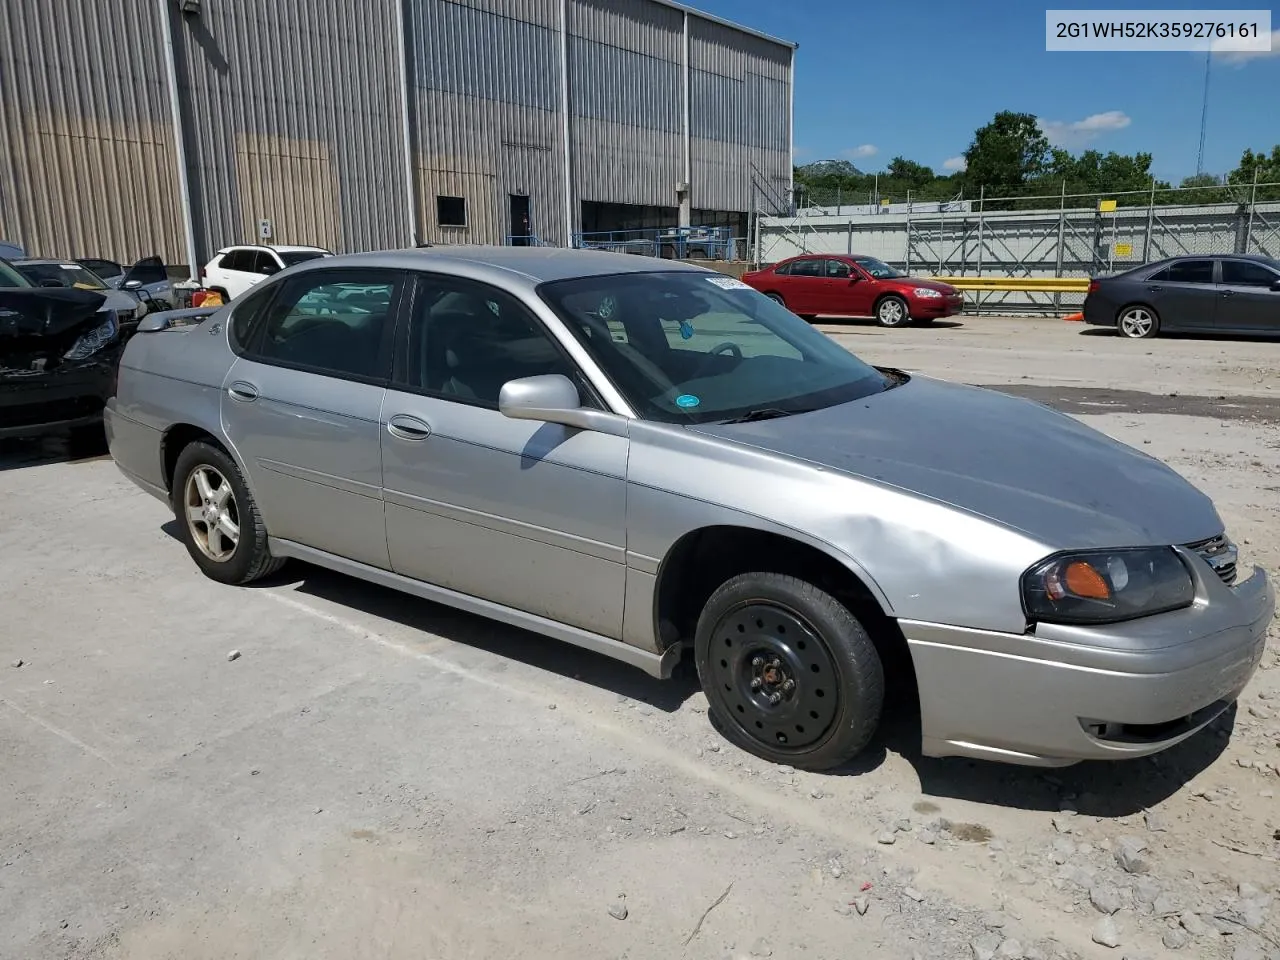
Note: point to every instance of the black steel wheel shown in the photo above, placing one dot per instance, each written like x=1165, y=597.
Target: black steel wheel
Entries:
x=789, y=673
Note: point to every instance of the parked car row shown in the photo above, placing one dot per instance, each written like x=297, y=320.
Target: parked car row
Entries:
x=652, y=460
x=64, y=323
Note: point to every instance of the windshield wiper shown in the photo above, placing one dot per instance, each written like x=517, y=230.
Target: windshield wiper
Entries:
x=765, y=413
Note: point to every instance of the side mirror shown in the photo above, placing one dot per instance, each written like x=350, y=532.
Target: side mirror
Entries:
x=133, y=285
x=552, y=398
x=1276, y=286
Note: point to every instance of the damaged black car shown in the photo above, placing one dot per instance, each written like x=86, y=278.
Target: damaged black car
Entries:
x=59, y=354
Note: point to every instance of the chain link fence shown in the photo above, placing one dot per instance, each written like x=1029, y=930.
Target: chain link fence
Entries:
x=1069, y=235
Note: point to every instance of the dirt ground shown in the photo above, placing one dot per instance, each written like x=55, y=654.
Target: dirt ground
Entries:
x=375, y=776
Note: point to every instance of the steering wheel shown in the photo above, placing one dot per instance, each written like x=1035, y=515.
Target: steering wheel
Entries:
x=728, y=346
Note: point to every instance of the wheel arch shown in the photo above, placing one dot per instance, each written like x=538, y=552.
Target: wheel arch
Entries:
x=177, y=438
x=1129, y=305
x=703, y=559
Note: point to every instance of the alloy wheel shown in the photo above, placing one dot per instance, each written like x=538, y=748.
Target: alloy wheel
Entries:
x=212, y=513
x=773, y=677
x=891, y=312
x=1136, y=323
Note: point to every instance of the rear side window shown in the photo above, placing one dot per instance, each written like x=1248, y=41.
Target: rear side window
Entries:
x=335, y=322
x=783, y=269
x=106, y=269
x=236, y=260
x=807, y=268
x=1186, y=271
x=265, y=263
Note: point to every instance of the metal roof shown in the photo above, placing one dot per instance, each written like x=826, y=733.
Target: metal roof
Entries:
x=727, y=23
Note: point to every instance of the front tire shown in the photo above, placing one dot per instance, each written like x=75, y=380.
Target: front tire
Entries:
x=893, y=312
x=1138, y=323
x=789, y=673
x=219, y=519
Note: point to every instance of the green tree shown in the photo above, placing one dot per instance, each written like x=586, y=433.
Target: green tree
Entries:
x=1267, y=168
x=915, y=175
x=1006, y=154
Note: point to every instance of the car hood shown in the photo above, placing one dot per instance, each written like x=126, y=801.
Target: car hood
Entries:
x=1011, y=460
x=39, y=323
x=928, y=284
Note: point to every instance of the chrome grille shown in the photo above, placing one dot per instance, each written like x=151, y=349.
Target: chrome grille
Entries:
x=1221, y=554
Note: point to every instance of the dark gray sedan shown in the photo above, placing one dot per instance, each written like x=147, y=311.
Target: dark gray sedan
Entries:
x=1213, y=294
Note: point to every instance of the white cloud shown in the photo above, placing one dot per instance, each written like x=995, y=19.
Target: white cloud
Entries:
x=1241, y=57
x=862, y=152
x=1075, y=133
x=954, y=163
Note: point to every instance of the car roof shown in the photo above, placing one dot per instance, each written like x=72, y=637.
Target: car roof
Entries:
x=282, y=248
x=533, y=264
x=52, y=261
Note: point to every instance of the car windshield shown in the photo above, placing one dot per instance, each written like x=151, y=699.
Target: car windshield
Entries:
x=61, y=274
x=9, y=277
x=878, y=268
x=692, y=347
x=290, y=257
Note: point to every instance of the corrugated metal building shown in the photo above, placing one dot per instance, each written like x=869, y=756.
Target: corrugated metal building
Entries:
x=132, y=127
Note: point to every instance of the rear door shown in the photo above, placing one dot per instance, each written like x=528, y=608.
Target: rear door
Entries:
x=301, y=405
x=1184, y=294
x=804, y=287
x=1246, y=301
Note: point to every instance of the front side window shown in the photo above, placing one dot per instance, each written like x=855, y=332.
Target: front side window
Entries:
x=147, y=271
x=693, y=348
x=332, y=321
x=467, y=339
x=1247, y=273
x=837, y=269
x=878, y=268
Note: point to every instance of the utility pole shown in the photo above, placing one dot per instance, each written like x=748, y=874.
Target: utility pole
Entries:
x=1204, y=112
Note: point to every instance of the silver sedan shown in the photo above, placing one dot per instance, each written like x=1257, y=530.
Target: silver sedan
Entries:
x=645, y=459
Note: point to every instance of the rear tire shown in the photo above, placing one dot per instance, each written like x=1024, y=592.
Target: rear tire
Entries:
x=789, y=673
x=218, y=517
x=893, y=312
x=1138, y=323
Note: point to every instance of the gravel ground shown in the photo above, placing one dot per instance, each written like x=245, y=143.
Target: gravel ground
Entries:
x=374, y=776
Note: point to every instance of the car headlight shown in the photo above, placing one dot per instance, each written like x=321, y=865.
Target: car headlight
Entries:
x=927, y=293
x=1107, y=586
x=93, y=341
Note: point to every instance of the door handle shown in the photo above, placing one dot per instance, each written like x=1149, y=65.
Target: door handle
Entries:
x=1154, y=289
x=1228, y=293
x=244, y=392
x=406, y=427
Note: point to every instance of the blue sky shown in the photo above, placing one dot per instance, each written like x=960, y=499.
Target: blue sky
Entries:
x=917, y=77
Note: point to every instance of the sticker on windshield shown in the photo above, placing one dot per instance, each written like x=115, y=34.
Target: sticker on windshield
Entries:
x=728, y=283
x=687, y=400
x=686, y=329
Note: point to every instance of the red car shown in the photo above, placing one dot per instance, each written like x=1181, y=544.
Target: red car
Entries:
x=854, y=286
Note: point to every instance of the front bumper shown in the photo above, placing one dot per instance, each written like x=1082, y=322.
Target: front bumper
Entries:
x=34, y=403
x=1067, y=694
x=931, y=308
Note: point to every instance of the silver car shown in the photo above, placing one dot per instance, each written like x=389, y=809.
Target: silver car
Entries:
x=646, y=458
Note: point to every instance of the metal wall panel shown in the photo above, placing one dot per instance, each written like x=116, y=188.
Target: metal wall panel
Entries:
x=626, y=101
x=87, y=165
x=309, y=78
x=486, y=116
x=739, y=117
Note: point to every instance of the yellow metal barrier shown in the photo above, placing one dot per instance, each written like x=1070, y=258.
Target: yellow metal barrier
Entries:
x=1029, y=284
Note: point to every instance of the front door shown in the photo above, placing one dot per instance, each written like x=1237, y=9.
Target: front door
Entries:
x=301, y=407
x=526, y=514
x=839, y=290
x=521, y=231
x=1184, y=295
x=1247, y=300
